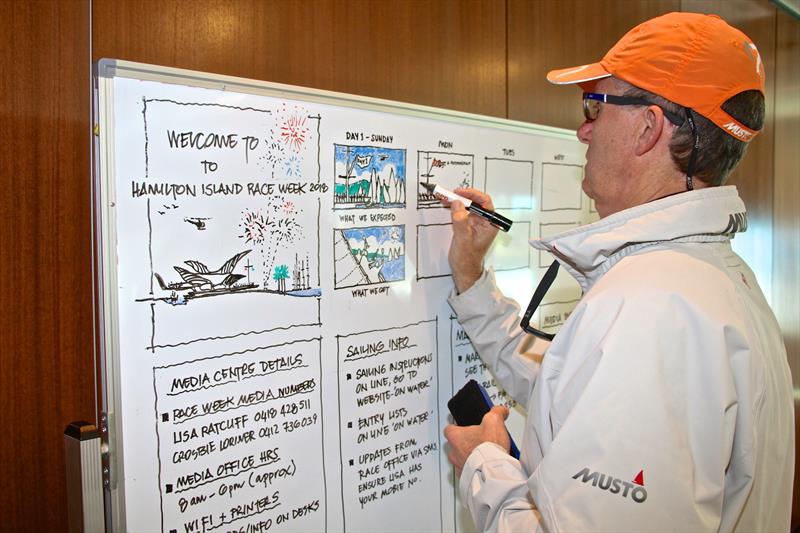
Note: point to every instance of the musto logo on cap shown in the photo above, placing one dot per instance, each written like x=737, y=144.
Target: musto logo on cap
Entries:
x=615, y=485
x=737, y=130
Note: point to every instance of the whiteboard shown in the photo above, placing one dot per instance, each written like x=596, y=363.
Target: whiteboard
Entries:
x=277, y=348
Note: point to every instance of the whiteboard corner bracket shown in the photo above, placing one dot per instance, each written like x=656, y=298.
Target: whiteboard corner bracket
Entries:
x=106, y=68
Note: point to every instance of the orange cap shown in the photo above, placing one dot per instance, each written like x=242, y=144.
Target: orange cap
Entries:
x=695, y=60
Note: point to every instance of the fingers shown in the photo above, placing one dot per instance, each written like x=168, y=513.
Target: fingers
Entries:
x=493, y=426
x=454, y=460
x=443, y=199
x=502, y=410
x=451, y=456
x=469, y=223
x=479, y=197
x=460, y=216
x=457, y=210
x=496, y=415
x=462, y=440
x=458, y=449
x=472, y=237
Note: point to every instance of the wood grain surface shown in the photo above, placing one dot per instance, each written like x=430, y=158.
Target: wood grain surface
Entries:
x=46, y=357
x=479, y=56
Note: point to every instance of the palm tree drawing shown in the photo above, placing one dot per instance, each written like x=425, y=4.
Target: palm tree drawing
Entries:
x=280, y=275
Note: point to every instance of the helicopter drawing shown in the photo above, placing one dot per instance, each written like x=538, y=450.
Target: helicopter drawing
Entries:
x=199, y=223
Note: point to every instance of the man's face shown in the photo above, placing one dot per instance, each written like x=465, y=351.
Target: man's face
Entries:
x=606, y=179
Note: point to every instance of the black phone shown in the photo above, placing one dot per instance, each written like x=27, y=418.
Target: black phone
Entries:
x=469, y=405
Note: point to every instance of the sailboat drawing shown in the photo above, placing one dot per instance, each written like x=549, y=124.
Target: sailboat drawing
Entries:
x=369, y=177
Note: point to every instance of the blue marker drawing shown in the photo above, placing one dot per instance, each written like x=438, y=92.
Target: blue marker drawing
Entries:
x=365, y=256
x=369, y=176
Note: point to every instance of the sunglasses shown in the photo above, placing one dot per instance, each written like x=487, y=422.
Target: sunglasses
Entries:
x=591, y=108
x=592, y=101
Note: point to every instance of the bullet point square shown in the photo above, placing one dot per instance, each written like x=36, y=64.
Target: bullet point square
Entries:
x=165, y=417
x=350, y=462
x=169, y=488
x=349, y=424
x=349, y=376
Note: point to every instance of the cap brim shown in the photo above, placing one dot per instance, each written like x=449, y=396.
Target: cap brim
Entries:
x=582, y=74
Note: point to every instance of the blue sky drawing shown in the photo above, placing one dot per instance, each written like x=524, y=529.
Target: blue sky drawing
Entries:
x=382, y=234
x=380, y=158
x=386, y=240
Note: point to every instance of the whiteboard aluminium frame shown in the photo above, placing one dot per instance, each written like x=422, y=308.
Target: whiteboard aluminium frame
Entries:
x=105, y=222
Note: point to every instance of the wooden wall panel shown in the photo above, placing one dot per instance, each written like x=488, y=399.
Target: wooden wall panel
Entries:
x=481, y=56
x=46, y=359
x=786, y=214
x=543, y=36
x=446, y=53
x=787, y=187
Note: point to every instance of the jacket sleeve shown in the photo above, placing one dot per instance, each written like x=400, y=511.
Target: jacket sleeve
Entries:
x=494, y=488
x=642, y=413
x=491, y=321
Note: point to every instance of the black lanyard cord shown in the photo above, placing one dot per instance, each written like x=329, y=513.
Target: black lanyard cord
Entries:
x=538, y=295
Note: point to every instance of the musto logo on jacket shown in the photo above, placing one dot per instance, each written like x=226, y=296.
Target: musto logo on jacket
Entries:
x=615, y=485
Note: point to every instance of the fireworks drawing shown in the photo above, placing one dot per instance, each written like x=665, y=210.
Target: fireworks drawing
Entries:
x=286, y=230
x=272, y=232
x=292, y=167
x=294, y=132
x=254, y=226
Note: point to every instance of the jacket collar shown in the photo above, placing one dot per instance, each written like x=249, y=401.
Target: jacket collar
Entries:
x=704, y=215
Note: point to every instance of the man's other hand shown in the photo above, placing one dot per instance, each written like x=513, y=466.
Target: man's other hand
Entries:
x=464, y=439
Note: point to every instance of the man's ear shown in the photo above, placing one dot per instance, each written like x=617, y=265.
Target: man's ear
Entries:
x=651, y=128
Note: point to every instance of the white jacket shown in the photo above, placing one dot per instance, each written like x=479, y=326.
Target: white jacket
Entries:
x=665, y=401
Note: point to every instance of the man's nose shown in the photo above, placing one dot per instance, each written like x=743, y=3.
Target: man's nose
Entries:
x=584, y=133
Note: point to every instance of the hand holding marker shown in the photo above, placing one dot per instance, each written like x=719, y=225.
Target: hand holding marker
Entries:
x=496, y=220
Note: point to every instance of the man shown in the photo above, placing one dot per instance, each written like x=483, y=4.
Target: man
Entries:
x=665, y=401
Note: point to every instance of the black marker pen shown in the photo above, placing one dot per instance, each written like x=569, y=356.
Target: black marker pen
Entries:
x=496, y=220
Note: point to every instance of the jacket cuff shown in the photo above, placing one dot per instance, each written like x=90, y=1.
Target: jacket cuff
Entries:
x=483, y=454
x=477, y=293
